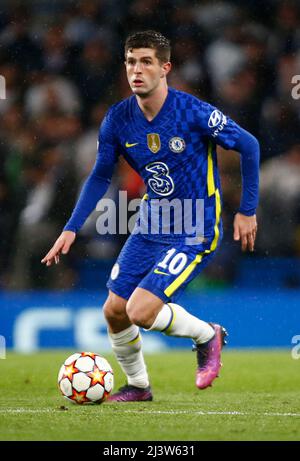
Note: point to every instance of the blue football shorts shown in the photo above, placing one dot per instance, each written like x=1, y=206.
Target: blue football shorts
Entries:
x=164, y=269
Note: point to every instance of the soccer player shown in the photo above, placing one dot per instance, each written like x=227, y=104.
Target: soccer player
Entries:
x=169, y=137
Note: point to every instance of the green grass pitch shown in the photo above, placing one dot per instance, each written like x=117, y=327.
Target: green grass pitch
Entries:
x=255, y=398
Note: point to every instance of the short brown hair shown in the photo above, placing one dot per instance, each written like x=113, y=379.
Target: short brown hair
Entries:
x=150, y=39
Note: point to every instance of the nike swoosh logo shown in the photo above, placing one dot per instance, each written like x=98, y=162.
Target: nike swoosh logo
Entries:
x=157, y=271
x=131, y=145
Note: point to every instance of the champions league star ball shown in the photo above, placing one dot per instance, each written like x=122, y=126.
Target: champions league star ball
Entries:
x=86, y=377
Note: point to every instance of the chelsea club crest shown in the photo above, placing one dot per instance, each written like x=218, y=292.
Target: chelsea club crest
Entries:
x=177, y=145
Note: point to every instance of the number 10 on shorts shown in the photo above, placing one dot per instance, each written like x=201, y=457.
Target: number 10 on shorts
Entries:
x=174, y=264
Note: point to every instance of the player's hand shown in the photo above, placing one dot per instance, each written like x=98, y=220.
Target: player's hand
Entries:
x=62, y=245
x=244, y=229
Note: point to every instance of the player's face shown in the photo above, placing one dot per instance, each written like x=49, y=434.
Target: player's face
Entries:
x=144, y=71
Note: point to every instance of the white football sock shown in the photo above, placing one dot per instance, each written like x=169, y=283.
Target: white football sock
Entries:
x=174, y=320
x=127, y=346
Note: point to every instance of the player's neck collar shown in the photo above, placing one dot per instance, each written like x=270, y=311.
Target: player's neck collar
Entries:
x=160, y=114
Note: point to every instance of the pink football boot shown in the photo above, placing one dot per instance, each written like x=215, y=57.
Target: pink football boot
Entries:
x=131, y=394
x=209, y=357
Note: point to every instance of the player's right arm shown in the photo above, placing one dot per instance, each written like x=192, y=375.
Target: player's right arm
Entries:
x=62, y=245
x=93, y=190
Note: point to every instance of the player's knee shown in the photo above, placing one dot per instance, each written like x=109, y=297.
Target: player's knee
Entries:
x=114, y=308
x=136, y=314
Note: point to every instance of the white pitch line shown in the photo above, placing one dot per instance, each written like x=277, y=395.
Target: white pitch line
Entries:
x=154, y=412
x=26, y=410
x=213, y=413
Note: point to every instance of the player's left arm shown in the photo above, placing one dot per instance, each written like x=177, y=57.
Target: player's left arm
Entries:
x=245, y=223
x=228, y=134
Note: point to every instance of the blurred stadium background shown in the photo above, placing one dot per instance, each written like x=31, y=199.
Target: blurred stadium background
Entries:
x=63, y=66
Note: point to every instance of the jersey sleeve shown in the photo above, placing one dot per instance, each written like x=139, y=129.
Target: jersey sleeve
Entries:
x=217, y=126
x=99, y=179
x=107, y=148
x=225, y=132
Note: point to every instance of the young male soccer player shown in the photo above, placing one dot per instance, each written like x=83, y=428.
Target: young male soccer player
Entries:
x=169, y=138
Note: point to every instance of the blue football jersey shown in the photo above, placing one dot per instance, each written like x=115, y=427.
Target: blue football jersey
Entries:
x=175, y=154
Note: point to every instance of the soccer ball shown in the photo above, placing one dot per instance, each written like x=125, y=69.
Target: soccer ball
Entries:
x=86, y=377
